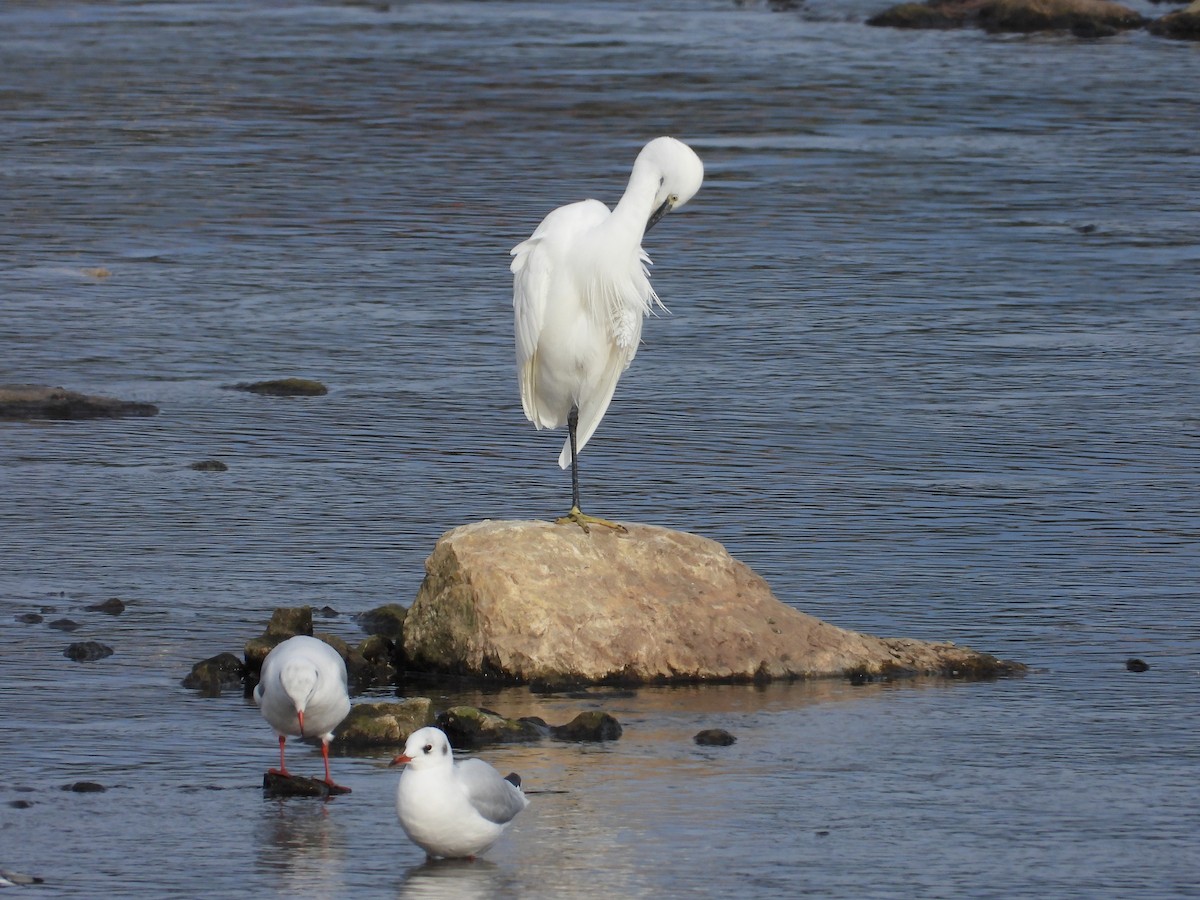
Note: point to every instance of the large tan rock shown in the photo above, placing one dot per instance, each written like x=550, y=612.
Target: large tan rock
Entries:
x=537, y=601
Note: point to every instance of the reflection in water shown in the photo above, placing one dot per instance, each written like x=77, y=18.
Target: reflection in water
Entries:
x=461, y=879
x=300, y=847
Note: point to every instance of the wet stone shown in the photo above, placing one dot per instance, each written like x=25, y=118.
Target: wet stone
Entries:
x=714, y=737
x=588, y=726
x=63, y=625
x=1137, y=665
x=110, y=607
x=87, y=651
x=375, y=725
x=209, y=465
x=36, y=401
x=284, y=387
x=276, y=785
x=467, y=726
x=286, y=622
x=215, y=674
x=387, y=620
x=29, y=618
x=85, y=787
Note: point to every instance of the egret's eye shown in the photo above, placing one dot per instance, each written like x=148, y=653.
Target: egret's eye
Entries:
x=428, y=748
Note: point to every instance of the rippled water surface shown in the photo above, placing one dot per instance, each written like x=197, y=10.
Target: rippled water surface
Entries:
x=931, y=369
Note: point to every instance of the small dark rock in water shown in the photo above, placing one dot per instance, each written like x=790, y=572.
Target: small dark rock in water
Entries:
x=85, y=787
x=111, y=607
x=285, y=387
x=221, y=672
x=1136, y=665
x=209, y=465
x=588, y=726
x=276, y=785
x=29, y=618
x=87, y=651
x=63, y=625
x=714, y=737
x=20, y=804
x=326, y=612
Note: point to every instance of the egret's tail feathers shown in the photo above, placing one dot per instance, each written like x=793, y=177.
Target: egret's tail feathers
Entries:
x=564, y=458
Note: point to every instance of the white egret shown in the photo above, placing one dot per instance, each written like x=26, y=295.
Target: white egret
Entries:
x=580, y=292
x=302, y=692
x=452, y=809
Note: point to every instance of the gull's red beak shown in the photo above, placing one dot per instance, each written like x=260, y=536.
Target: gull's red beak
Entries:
x=400, y=760
x=300, y=716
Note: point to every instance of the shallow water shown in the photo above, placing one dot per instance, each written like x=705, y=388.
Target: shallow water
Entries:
x=930, y=370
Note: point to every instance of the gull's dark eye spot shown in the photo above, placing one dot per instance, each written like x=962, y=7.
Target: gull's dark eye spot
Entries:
x=428, y=748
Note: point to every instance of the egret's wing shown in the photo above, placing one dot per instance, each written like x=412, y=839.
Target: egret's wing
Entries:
x=490, y=795
x=534, y=271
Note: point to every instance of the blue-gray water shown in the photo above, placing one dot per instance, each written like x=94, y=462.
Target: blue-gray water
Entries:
x=931, y=369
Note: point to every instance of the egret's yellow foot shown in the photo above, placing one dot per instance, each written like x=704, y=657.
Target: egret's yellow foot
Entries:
x=583, y=520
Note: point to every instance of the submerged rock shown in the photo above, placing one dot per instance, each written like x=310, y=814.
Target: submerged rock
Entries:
x=37, y=401
x=533, y=601
x=467, y=726
x=1086, y=18
x=215, y=674
x=209, y=465
x=1137, y=665
x=113, y=606
x=588, y=726
x=374, y=725
x=63, y=625
x=285, y=387
x=714, y=737
x=29, y=618
x=87, y=651
x=85, y=787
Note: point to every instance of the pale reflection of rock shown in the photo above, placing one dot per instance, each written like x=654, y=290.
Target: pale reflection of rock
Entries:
x=301, y=845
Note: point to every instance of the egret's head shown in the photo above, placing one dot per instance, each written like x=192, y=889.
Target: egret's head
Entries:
x=426, y=748
x=678, y=171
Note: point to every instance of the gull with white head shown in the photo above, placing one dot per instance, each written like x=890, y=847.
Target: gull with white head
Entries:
x=302, y=692
x=580, y=292
x=452, y=809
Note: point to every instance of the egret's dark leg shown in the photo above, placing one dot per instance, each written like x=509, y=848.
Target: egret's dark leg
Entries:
x=576, y=515
x=572, y=425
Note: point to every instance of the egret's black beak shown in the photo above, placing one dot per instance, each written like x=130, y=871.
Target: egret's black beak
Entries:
x=658, y=214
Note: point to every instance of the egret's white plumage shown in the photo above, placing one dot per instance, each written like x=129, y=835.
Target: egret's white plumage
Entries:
x=581, y=290
x=302, y=692
x=452, y=809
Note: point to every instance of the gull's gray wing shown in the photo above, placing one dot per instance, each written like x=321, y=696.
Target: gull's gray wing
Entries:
x=491, y=796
